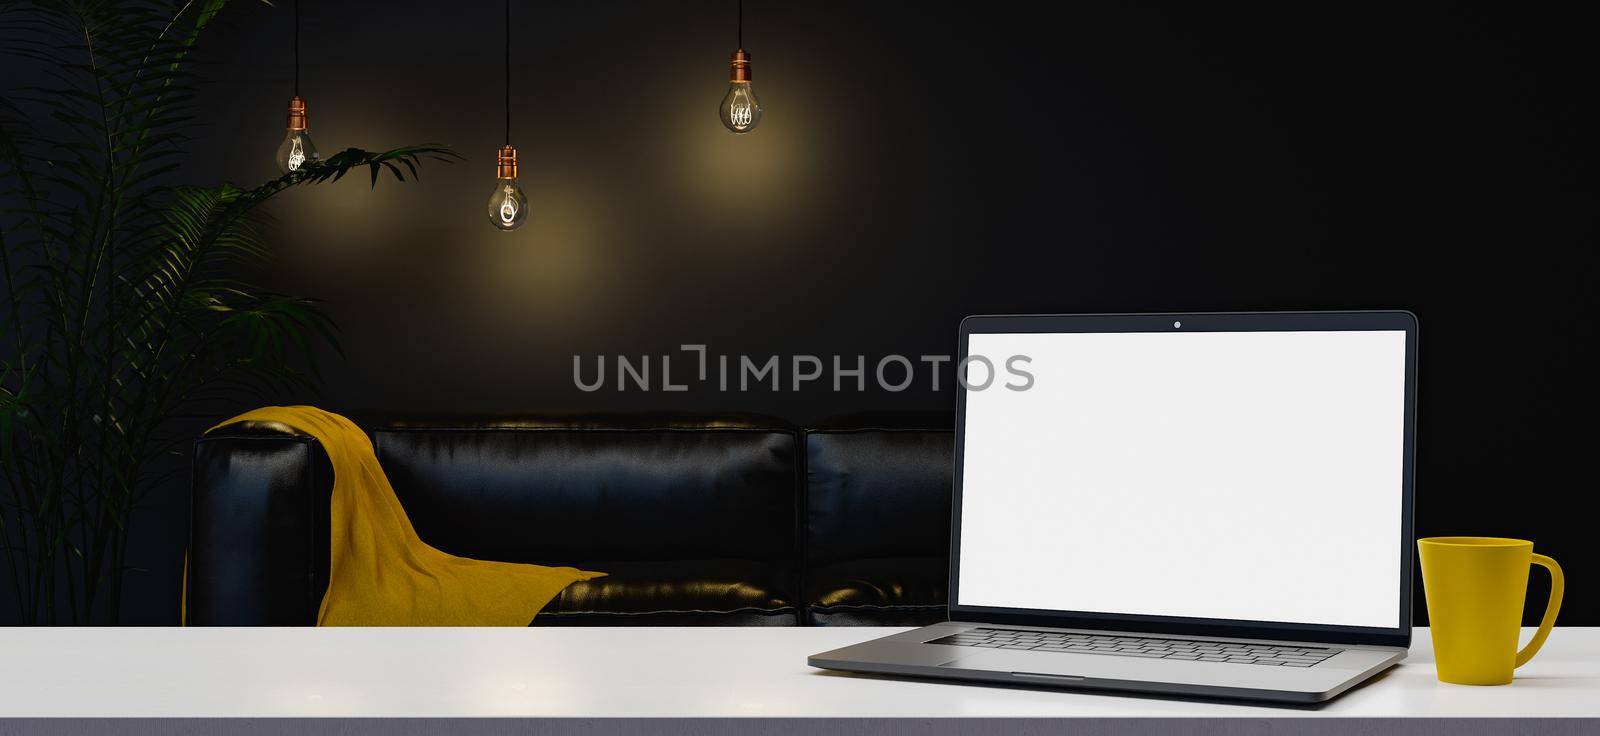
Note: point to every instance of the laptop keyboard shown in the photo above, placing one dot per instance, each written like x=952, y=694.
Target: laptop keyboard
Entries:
x=1138, y=646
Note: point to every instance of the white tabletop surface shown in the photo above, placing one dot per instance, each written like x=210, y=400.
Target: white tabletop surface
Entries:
x=636, y=672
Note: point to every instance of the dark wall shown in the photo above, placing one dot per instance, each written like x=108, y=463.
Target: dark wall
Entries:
x=919, y=162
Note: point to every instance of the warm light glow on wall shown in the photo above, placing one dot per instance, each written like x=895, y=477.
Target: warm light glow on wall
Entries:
x=565, y=272
x=749, y=183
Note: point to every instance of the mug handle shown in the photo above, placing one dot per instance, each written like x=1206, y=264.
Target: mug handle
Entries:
x=1558, y=585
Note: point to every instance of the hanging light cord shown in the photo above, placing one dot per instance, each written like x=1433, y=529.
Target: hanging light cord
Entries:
x=741, y=24
x=508, y=72
x=296, y=48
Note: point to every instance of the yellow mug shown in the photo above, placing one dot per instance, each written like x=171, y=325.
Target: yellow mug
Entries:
x=1475, y=588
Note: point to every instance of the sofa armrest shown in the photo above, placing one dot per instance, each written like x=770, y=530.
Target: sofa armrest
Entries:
x=258, y=530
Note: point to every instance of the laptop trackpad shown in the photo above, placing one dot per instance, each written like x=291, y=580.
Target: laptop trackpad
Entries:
x=1053, y=664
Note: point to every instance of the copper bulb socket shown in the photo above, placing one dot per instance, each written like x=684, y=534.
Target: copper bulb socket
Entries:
x=739, y=69
x=297, y=113
x=507, y=162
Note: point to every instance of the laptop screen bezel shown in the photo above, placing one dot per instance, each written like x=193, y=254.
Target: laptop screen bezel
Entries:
x=1399, y=635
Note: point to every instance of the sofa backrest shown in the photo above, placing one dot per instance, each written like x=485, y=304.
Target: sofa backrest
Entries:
x=697, y=519
x=566, y=492
x=874, y=493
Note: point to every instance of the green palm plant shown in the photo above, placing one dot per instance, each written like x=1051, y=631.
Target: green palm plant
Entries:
x=124, y=306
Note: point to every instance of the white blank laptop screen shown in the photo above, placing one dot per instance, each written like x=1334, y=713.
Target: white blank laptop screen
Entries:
x=1223, y=475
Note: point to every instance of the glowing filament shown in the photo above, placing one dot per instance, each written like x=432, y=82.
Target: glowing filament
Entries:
x=297, y=155
x=508, y=210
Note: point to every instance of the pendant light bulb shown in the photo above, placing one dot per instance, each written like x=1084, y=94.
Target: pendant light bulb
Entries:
x=740, y=111
x=296, y=150
x=508, y=206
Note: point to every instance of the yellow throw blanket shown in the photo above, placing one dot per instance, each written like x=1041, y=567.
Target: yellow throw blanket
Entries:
x=380, y=573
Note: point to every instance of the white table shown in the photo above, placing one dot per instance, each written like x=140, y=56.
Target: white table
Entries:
x=681, y=674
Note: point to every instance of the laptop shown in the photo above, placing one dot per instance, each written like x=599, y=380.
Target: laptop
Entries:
x=1214, y=505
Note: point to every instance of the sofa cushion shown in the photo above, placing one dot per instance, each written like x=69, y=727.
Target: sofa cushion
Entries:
x=552, y=494
x=889, y=591
x=711, y=503
x=675, y=593
x=877, y=525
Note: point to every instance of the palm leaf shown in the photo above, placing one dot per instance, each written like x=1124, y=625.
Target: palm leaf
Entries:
x=124, y=305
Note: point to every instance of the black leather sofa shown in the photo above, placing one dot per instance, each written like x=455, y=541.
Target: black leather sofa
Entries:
x=716, y=521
